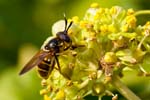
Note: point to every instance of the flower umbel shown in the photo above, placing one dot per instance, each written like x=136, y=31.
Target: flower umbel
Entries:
x=111, y=41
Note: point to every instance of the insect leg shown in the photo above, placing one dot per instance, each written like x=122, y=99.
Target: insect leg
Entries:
x=74, y=46
x=68, y=46
x=56, y=58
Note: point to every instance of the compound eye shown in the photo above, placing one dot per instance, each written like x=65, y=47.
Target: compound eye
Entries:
x=67, y=39
x=63, y=36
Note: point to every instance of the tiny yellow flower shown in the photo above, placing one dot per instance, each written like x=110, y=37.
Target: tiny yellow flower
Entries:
x=75, y=19
x=147, y=26
x=43, y=91
x=131, y=21
x=113, y=11
x=60, y=95
x=92, y=34
x=148, y=23
x=111, y=28
x=83, y=24
x=44, y=82
x=143, y=33
x=86, y=25
x=104, y=28
x=130, y=11
x=99, y=12
x=49, y=88
x=106, y=10
x=125, y=28
x=94, y=5
x=97, y=16
x=46, y=97
x=69, y=20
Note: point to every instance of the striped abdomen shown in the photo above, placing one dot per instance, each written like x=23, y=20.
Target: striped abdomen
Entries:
x=46, y=67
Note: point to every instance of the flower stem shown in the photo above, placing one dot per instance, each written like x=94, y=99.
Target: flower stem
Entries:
x=123, y=89
x=142, y=12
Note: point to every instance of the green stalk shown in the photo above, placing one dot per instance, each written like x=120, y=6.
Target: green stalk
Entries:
x=142, y=12
x=123, y=89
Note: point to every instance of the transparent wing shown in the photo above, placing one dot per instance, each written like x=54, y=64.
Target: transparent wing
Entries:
x=35, y=60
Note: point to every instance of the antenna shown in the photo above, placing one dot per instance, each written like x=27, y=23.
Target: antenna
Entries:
x=67, y=28
x=65, y=21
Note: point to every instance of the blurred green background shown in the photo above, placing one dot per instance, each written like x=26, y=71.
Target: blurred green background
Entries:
x=25, y=24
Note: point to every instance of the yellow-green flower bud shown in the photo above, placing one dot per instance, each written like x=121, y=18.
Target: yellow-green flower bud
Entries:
x=98, y=88
x=110, y=57
x=138, y=54
x=131, y=21
x=60, y=95
x=130, y=11
x=43, y=91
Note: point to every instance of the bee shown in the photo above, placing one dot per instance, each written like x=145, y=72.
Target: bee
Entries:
x=46, y=58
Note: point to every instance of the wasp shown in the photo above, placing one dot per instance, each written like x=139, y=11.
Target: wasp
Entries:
x=46, y=58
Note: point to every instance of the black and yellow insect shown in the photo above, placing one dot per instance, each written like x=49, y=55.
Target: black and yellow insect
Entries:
x=46, y=58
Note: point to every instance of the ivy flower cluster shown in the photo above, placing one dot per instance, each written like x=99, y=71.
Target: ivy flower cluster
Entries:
x=108, y=41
